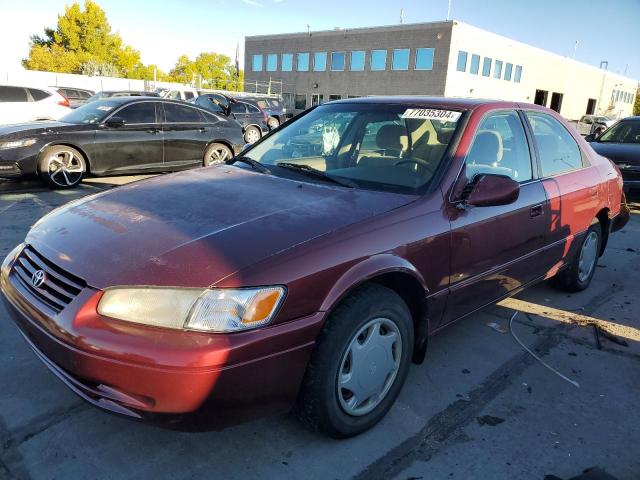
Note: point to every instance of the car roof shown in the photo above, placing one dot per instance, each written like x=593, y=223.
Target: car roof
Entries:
x=458, y=103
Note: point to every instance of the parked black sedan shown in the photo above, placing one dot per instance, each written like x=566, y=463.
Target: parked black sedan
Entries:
x=118, y=136
x=252, y=118
x=621, y=144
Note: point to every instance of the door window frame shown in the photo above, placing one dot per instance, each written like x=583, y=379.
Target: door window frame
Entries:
x=159, y=116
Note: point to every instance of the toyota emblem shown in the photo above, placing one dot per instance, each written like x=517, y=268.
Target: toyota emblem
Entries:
x=38, y=278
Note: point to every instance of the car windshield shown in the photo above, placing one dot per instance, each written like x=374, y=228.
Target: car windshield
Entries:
x=375, y=146
x=93, y=112
x=622, y=132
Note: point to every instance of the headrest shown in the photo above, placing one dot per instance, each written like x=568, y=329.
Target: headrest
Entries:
x=392, y=137
x=487, y=148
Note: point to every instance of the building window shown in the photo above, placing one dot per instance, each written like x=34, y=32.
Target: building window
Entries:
x=424, y=59
x=378, y=60
x=272, y=62
x=300, y=102
x=286, y=62
x=475, y=64
x=462, y=61
x=334, y=97
x=497, y=69
x=507, y=71
x=486, y=67
x=256, y=66
x=357, y=60
x=400, y=60
x=303, y=62
x=319, y=61
x=317, y=99
x=518, y=75
x=337, y=61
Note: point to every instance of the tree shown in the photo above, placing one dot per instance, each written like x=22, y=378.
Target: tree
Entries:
x=636, y=105
x=93, y=67
x=209, y=69
x=81, y=36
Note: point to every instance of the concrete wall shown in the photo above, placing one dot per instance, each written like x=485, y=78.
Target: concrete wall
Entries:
x=361, y=83
x=52, y=79
x=541, y=70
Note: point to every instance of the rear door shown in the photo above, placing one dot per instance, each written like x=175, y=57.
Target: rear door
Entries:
x=239, y=113
x=497, y=249
x=571, y=184
x=185, y=134
x=137, y=145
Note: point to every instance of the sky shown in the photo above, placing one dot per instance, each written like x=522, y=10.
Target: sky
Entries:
x=162, y=30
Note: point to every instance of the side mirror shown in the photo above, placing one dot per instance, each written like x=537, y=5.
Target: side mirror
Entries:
x=493, y=190
x=590, y=138
x=115, y=122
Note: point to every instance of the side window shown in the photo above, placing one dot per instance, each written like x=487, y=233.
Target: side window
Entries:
x=176, y=113
x=173, y=95
x=144, y=112
x=188, y=95
x=500, y=147
x=238, y=108
x=38, y=94
x=13, y=94
x=558, y=151
x=252, y=108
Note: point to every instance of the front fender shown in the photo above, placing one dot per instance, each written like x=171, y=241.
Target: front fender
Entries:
x=367, y=269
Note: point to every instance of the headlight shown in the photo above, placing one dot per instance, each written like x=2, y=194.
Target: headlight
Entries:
x=27, y=142
x=211, y=310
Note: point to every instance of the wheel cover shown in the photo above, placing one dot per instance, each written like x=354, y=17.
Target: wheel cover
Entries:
x=273, y=123
x=588, y=256
x=252, y=135
x=64, y=168
x=217, y=155
x=369, y=366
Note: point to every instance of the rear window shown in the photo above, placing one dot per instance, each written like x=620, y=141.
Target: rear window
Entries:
x=38, y=94
x=252, y=108
x=13, y=94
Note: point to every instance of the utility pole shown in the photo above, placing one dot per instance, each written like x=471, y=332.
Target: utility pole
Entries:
x=401, y=16
x=575, y=48
x=449, y=11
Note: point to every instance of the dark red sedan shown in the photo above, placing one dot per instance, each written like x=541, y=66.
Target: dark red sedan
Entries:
x=311, y=270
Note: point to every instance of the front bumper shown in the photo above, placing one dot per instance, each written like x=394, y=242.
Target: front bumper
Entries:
x=10, y=170
x=181, y=380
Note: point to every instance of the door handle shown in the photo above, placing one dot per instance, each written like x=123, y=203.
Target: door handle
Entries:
x=535, y=211
x=202, y=130
x=153, y=130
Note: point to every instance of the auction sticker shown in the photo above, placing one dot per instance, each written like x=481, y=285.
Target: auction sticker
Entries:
x=432, y=114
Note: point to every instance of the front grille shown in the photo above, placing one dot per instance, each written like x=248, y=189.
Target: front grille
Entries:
x=59, y=287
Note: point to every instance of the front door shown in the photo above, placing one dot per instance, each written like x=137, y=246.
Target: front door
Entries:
x=185, y=135
x=133, y=145
x=497, y=249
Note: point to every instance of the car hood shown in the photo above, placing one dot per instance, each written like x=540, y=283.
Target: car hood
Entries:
x=619, y=153
x=195, y=228
x=20, y=130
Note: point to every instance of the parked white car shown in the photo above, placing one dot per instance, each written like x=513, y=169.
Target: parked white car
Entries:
x=594, y=124
x=26, y=104
x=181, y=93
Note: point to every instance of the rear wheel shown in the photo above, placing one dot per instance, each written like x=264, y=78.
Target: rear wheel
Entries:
x=359, y=365
x=273, y=122
x=578, y=274
x=61, y=166
x=216, y=153
x=252, y=134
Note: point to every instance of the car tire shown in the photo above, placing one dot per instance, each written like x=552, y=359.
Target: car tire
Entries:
x=252, y=134
x=216, y=153
x=373, y=313
x=578, y=274
x=61, y=167
x=273, y=123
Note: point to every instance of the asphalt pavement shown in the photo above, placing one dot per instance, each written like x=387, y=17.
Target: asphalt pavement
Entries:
x=479, y=407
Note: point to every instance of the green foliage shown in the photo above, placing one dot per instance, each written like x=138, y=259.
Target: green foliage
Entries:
x=83, y=42
x=636, y=105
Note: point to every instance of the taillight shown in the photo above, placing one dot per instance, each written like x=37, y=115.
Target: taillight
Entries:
x=64, y=102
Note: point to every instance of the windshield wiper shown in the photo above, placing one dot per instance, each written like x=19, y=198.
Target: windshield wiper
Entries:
x=314, y=172
x=249, y=161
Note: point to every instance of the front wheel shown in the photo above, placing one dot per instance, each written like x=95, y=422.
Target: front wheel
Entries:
x=273, y=122
x=578, y=274
x=61, y=166
x=216, y=153
x=252, y=135
x=360, y=363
